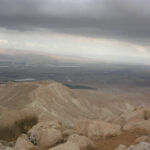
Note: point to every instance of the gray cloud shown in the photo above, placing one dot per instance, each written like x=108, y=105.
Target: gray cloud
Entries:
x=124, y=20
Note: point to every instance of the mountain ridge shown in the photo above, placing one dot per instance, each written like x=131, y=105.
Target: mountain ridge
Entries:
x=52, y=100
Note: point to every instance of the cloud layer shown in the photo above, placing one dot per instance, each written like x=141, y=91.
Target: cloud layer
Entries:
x=117, y=19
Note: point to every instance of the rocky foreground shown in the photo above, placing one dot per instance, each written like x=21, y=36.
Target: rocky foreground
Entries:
x=129, y=131
x=71, y=120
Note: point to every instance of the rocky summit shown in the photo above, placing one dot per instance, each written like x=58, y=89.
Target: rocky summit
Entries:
x=46, y=115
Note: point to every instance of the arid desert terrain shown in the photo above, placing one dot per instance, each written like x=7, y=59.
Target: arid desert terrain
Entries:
x=105, y=107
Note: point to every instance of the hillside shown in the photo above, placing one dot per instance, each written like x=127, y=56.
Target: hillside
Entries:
x=52, y=100
x=72, y=119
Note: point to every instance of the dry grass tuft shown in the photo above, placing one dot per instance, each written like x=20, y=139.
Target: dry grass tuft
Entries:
x=23, y=125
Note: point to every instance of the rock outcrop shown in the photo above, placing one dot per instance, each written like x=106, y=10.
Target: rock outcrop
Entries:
x=23, y=143
x=83, y=142
x=143, y=139
x=46, y=134
x=48, y=138
x=101, y=122
x=137, y=124
x=97, y=128
x=137, y=114
x=140, y=146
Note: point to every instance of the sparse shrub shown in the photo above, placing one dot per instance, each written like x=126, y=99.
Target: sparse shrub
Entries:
x=23, y=125
x=26, y=123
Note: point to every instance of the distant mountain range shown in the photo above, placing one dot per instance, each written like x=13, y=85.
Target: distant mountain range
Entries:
x=39, y=57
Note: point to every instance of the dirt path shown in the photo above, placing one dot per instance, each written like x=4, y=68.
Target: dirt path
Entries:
x=126, y=138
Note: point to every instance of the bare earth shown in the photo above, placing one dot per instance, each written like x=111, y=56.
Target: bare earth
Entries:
x=52, y=101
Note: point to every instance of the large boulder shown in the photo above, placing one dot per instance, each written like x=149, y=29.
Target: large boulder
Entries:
x=49, y=129
x=137, y=114
x=97, y=128
x=103, y=129
x=143, y=139
x=137, y=124
x=44, y=125
x=83, y=142
x=140, y=146
x=66, y=146
x=48, y=138
x=23, y=143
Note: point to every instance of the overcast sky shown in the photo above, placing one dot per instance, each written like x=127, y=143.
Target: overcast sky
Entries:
x=115, y=30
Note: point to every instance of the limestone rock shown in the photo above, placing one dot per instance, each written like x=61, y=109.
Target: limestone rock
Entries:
x=137, y=114
x=140, y=146
x=40, y=128
x=48, y=138
x=143, y=139
x=97, y=128
x=103, y=129
x=23, y=143
x=83, y=142
x=137, y=124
